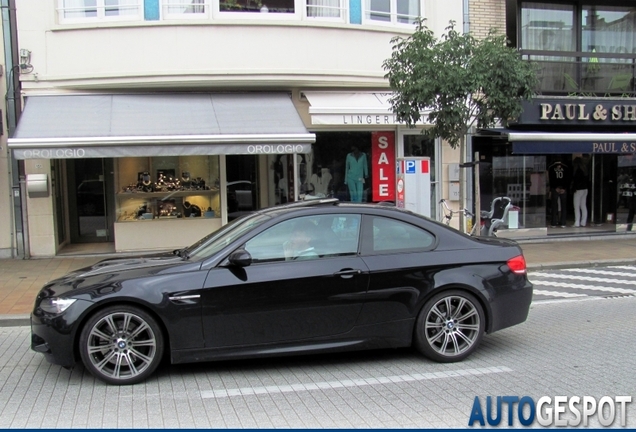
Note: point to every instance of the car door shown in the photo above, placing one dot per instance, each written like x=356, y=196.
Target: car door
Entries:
x=281, y=299
x=396, y=254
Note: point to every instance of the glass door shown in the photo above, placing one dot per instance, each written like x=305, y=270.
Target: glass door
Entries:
x=242, y=185
x=604, y=191
x=90, y=192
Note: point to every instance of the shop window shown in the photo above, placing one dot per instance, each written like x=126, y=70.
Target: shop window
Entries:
x=521, y=178
x=89, y=10
x=178, y=187
x=393, y=11
x=339, y=166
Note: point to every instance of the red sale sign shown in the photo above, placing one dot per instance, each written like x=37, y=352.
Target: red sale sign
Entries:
x=383, y=166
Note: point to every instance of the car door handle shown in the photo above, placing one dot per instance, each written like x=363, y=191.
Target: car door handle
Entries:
x=348, y=273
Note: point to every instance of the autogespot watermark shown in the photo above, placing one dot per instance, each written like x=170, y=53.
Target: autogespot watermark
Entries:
x=550, y=411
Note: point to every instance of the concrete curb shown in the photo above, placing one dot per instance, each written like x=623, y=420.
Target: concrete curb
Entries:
x=17, y=320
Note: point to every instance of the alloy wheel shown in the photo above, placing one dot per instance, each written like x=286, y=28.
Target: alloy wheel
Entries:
x=121, y=346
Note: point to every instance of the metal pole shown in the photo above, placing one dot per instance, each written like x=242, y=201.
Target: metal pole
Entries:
x=477, y=218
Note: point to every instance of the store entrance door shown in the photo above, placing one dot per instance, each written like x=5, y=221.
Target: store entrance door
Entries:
x=90, y=197
x=242, y=185
x=604, y=191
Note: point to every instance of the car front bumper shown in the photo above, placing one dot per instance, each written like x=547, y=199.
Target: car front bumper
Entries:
x=54, y=335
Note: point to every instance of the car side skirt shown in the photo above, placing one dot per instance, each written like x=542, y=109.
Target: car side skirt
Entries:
x=386, y=335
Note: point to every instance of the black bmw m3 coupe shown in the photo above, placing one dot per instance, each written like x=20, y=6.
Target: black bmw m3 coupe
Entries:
x=302, y=278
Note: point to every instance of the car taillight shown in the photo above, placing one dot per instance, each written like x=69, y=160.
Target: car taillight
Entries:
x=517, y=264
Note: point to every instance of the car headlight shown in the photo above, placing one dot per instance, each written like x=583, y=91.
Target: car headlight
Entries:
x=56, y=305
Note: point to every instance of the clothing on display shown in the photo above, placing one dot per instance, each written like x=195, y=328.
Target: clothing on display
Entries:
x=356, y=171
x=559, y=183
x=321, y=182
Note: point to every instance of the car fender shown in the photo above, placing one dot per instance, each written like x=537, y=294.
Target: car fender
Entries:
x=465, y=279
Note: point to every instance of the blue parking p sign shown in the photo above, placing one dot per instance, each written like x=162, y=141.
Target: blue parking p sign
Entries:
x=409, y=166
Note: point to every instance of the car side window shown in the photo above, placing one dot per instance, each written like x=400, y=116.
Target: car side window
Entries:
x=306, y=238
x=390, y=235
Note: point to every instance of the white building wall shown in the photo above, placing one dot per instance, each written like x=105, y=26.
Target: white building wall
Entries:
x=207, y=53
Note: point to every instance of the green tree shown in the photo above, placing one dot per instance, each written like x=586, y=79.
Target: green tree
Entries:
x=459, y=81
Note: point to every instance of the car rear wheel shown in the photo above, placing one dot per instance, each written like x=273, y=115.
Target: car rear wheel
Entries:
x=121, y=345
x=449, y=326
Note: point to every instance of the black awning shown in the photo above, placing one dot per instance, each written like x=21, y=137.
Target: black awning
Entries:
x=540, y=142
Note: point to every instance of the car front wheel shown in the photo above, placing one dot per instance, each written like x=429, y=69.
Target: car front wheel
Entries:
x=449, y=326
x=121, y=345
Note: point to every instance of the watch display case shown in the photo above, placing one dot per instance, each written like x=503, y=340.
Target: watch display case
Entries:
x=174, y=187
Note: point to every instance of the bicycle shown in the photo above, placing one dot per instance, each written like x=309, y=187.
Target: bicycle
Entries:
x=448, y=213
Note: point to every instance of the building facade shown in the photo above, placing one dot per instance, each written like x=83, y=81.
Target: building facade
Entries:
x=568, y=163
x=149, y=123
x=7, y=227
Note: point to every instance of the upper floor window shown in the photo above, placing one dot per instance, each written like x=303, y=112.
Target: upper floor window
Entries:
x=393, y=11
x=608, y=29
x=261, y=6
x=396, y=12
x=547, y=27
x=326, y=9
x=581, y=49
x=82, y=10
x=184, y=8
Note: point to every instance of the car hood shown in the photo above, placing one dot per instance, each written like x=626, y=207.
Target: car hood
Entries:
x=114, y=271
x=119, y=265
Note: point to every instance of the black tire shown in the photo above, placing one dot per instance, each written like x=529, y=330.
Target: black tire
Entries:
x=448, y=338
x=121, y=345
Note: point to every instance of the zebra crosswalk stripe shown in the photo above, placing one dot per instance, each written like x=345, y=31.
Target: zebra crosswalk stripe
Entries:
x=558, y=293
x=603, y=272
x=582, y=278
x=583, y=287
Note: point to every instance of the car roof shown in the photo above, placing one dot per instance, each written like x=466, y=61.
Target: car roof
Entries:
x=328, y=202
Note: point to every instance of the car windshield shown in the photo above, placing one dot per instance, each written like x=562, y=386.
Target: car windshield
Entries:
x=217, y=240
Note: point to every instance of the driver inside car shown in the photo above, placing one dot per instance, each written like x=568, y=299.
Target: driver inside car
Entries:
x=299, y=246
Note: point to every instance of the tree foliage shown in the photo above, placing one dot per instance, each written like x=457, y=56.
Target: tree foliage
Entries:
x=459, y=80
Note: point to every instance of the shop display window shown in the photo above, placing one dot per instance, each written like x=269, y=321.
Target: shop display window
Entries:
x=340, y=167
x=523, y=179
x=174, y=187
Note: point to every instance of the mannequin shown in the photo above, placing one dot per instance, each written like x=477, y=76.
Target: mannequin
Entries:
x=185, y=179
x=145, y=184
x=356, y=171
x=321, y=181
x=559, y=183
x=191, y=210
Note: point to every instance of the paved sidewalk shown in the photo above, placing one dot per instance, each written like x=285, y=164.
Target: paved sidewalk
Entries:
x=20, y=280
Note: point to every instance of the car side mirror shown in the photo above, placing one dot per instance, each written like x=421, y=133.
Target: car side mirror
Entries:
x=240, y=257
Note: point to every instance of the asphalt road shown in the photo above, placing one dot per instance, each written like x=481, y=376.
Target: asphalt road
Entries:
x=576, y=346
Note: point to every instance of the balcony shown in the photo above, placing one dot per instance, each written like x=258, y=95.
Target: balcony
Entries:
x=583, y=73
